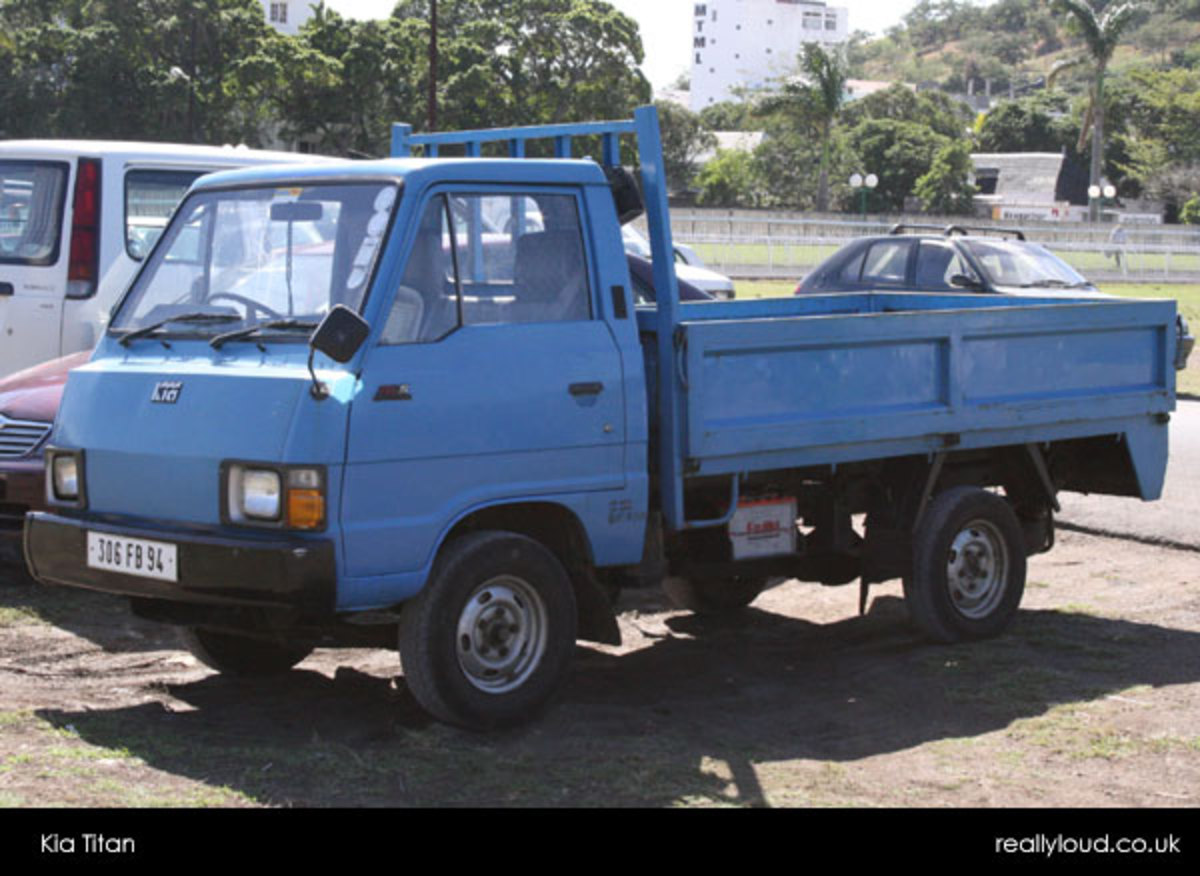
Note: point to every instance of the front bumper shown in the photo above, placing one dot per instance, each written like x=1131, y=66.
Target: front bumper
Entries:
x=214, y=568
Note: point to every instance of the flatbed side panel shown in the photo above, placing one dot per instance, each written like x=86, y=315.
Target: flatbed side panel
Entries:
x=759, y=387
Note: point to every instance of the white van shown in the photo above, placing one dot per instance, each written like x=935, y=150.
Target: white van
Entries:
x=76, y=218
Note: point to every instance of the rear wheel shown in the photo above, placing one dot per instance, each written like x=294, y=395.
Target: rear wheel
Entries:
x=490, y=638
x=968, y=571
x=713, y=595
x=232, y=654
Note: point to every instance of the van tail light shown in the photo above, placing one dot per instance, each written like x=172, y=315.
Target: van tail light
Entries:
x=84, y=266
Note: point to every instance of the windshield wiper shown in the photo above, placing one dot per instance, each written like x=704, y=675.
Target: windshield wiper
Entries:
x=195, y=316
x=246, y=332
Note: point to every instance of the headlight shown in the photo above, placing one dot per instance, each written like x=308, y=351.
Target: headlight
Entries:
x=64, y=469
x=284, y=496
x=260, y=494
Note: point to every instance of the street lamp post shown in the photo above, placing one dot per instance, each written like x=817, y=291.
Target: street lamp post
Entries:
x=863, y=184
x=1095, y=204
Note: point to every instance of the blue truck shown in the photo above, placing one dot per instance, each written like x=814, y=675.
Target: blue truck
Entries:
x=346, y=405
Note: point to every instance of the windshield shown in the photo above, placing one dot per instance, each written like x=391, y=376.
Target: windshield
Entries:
x=257, y=255
x=1012, y=263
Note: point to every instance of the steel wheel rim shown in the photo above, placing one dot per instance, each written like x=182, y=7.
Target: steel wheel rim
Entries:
x=501, y=636
x=977, y=569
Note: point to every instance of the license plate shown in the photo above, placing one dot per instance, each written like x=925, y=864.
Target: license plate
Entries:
x=133, y=556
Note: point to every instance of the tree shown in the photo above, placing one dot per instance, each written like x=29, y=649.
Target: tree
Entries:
x=947, y=188
x=899, y=153
x=1101, y=32
x=522, y=62
x=814, y=100
x=1038, y=123
x=684, y=139
x=1190, y=214
x=731, y=179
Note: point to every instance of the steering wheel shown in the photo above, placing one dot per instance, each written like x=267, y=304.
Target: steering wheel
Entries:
x=250, y=304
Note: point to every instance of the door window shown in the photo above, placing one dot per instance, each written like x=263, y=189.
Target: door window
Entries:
x=467, y=267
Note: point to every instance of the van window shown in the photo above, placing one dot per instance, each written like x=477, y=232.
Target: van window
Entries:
x=32, y=194
x=151, y=196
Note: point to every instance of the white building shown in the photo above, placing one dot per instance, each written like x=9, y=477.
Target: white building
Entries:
x=286, y=16
x=747, y=43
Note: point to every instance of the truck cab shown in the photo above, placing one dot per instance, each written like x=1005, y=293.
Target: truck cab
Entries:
x=227, y=476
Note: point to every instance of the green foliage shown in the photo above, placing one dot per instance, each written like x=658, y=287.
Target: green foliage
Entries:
x=684, y=139
x=899, y=153
x=147, y=69
x=1038, y=123
x=729, y=115
x=947, y=188
x=1190, y=213
x=933, y=109
x=215, y=71
x=731, y=179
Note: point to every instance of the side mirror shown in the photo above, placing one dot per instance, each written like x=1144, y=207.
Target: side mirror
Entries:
x=964, y=282
x=340, y=334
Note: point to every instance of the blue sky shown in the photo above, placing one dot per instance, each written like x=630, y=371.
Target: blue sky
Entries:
x=666, y=26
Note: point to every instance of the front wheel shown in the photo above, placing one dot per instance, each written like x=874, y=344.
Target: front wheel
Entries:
x=491, y=636
x=231, y=654
x=968, y=571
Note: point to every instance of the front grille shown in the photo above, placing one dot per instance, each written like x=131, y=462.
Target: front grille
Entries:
x=19, y=437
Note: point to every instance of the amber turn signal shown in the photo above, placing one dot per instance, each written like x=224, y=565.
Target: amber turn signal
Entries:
x=305, y=509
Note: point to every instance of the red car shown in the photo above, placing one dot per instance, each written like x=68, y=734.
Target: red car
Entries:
x=28, y=402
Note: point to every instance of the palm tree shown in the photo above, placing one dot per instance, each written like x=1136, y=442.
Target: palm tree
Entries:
x=817, y=96
x=1101, y=31
x=827, y=78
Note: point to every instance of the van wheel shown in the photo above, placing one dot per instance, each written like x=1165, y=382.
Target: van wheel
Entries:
x=490, y=637
x=231, y=654
x=713, y=595
x=968, y=571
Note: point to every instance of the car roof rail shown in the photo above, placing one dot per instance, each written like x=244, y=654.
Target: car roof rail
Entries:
x=902, y=227
x=986, y=229
x=949, y=230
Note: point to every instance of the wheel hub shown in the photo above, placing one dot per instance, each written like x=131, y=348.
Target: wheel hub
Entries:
x=977, y=569
x=501, y=634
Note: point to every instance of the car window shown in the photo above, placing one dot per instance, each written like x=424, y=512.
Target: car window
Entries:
x=151, y=196
x=887, y=262
x=32, y=194
x=849, y=273
x=937, y=263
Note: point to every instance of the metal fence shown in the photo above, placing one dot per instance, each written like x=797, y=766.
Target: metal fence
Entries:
x=750, y=245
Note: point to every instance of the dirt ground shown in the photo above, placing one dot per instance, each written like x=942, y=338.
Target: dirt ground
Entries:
x=1091, y=699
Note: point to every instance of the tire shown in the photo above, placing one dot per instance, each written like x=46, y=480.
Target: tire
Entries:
x=491, y=636
x=243, y=656
x=968, y=570
x=713, y=596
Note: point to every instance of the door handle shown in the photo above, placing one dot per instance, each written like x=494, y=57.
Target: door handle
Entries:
x=592, y=388
x=6, y=288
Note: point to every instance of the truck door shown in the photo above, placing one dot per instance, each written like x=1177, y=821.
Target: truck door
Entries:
x=493, y=379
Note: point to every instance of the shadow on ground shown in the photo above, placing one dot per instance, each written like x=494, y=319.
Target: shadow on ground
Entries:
x=688, y=719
